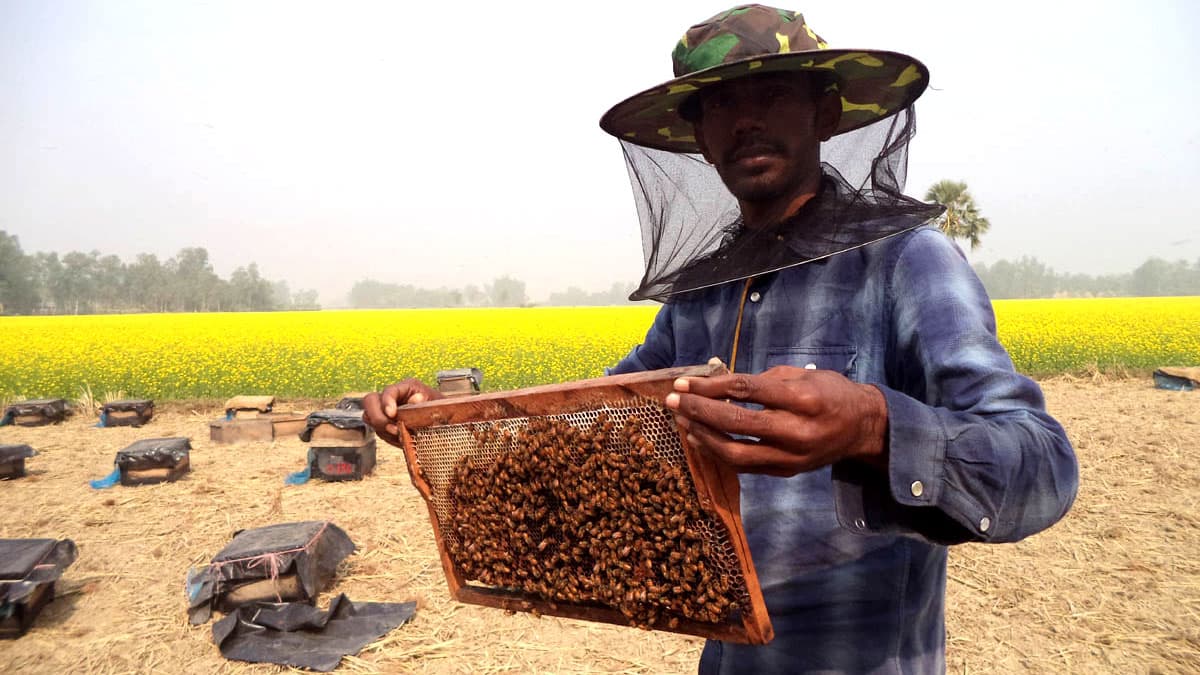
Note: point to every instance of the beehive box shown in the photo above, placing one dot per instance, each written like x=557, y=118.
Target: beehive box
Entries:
x=37, y=412
x=284, y=562
x=17, y=617
x=28, y=570
x=285, y=424
x=241, y=431
x=254, y=419
x=12, y=460
x=126, y=412
x=154, y=460
x=352, y=401
x=584, y=500
x=342, y=445
x=460, y=381
x=343, y=462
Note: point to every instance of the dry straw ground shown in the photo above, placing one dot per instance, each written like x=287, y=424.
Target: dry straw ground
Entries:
x=1115, y=588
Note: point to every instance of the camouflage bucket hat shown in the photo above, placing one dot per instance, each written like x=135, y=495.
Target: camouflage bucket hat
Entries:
x=753, y=39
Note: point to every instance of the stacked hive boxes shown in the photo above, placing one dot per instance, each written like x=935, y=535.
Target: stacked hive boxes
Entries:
x=253, y=418
x=341, y=445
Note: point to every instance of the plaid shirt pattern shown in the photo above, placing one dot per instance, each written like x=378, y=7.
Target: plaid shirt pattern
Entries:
x=852, y=562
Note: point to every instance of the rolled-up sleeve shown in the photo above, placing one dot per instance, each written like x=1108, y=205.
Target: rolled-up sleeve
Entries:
x=972, y=453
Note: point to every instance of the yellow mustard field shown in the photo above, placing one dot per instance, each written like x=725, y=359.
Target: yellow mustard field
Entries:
x=1052, y=336
x=324, y=354
x=309, y=354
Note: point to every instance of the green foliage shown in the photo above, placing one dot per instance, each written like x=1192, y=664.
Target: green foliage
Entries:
x=87, y=283
x=18, y=288
x=962, y=219
x=1030, y=278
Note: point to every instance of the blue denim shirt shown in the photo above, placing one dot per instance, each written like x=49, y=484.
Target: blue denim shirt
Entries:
x=852, y=562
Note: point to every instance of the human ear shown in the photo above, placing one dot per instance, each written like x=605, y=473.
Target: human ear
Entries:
x=829, y=114
x=698, y=133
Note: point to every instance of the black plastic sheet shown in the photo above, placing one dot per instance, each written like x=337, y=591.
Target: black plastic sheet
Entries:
x=300, y=635
x=342, y=419
x=153, y=453
x=117, y=413
x=311, y=550
x=54, y=409
x=352, y=403
x=136, y=405
x=11, y=453
x=26, y=564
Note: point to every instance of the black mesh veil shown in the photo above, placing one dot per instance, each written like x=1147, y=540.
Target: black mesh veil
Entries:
x=692, y=233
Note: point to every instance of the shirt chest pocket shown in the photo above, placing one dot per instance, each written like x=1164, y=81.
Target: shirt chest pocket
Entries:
x=839, y=359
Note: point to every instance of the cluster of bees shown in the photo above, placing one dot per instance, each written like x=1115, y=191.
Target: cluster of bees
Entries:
x=587, y=516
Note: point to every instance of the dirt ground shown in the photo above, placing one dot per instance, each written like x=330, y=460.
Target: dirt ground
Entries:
x=1114, y=588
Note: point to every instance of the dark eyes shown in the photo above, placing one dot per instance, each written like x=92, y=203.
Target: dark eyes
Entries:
x=770, y=95
x=717, y=101
x=778, y=94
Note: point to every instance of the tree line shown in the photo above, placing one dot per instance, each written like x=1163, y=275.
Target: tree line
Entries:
x=1031, y=278
x=85, y=283
x=504, y=291
x=90, y=283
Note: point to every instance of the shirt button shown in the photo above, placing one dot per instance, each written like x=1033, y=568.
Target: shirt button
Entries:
x=860, y=523
x=755, y=296
x=984, y=524
x=810, y=366
x=918, y=488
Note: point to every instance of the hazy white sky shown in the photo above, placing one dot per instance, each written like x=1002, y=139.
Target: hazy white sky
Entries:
x=451, y=143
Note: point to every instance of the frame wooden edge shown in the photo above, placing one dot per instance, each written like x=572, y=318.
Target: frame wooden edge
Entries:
x=716, y=485
x=453, y=578
x=512, y=601
x=546, y=399
x=720, y=495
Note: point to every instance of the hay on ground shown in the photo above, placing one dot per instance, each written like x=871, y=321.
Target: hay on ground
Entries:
x=1115, y=588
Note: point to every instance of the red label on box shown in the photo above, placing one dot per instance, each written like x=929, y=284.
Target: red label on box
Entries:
x=337, y=467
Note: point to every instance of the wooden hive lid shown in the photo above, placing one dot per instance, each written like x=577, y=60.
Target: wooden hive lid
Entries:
x=259, y=403
x=1192, y=373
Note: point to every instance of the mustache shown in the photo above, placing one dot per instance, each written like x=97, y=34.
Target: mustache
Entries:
x=751, y=147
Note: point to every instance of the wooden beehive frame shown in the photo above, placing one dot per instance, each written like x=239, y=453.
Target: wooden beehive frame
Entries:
x=716, y=486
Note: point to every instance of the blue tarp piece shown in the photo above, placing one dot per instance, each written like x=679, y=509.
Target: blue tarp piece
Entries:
x=301, y=477
x=108, y=481
x=1178, y=380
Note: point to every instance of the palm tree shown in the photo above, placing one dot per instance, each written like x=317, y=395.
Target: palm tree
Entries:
x=962, y=219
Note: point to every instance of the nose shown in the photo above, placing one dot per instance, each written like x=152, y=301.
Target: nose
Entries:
x=749, y=119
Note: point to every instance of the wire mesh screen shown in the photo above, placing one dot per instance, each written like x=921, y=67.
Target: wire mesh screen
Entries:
x=595, y=506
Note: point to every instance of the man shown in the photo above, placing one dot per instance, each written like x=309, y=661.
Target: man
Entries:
x=871, y=412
